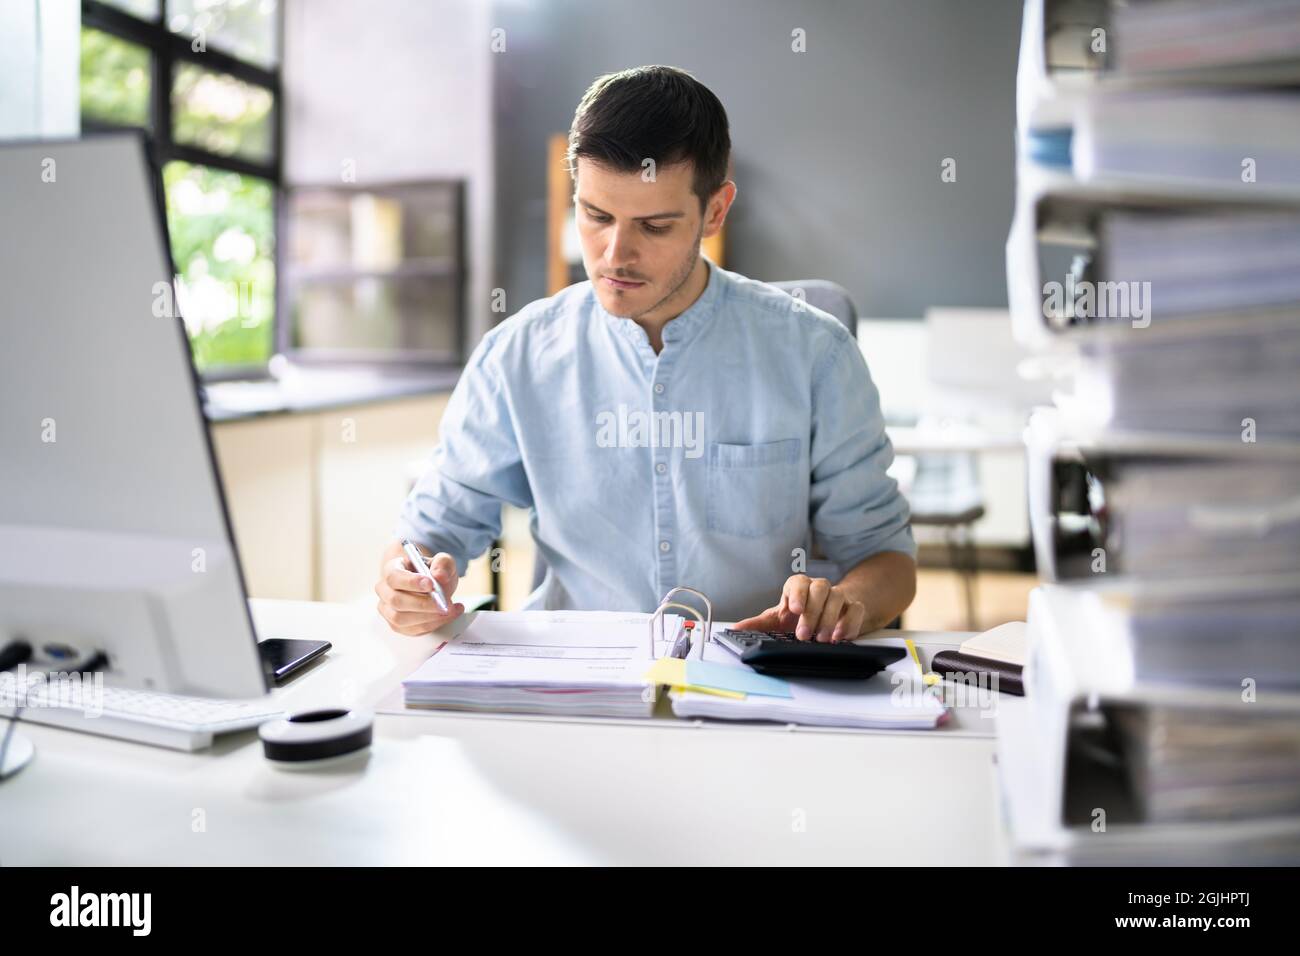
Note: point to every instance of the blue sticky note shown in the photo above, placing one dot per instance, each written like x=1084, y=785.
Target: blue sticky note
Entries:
x=708, y=674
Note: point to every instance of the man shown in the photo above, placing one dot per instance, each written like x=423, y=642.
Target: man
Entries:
x=667, y=422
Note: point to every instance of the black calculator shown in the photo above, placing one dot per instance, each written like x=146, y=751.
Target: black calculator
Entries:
x=781, y=654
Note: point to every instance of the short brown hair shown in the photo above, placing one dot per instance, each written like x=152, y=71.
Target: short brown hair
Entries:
x=653, y=112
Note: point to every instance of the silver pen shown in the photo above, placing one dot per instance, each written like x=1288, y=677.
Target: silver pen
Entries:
x=421, y=566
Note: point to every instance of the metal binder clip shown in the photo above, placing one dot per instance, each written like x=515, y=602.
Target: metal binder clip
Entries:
x=658, y=618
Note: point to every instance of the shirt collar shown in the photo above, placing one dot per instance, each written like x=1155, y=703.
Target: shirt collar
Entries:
x=683, y=328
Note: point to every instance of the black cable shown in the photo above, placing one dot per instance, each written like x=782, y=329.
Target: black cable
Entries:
x=4, y=747
x=11, y=655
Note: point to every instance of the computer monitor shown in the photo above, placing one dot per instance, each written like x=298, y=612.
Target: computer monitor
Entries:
x=114, y=534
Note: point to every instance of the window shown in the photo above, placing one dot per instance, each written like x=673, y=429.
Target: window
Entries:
x=202, y=76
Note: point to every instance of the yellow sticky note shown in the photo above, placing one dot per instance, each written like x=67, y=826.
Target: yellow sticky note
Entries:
x=668, y=670
x=716, y=691
x=672, y=671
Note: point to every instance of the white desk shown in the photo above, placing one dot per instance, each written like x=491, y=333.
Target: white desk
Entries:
x=451, y=789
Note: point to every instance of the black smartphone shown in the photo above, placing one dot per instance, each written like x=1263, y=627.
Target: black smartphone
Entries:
x=283, y=657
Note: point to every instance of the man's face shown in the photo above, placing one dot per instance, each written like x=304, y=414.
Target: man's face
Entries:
x=640, y=240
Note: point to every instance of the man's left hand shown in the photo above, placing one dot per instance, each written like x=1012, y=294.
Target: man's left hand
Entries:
x=814, y=609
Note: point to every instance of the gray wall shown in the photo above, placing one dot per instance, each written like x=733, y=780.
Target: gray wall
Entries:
x=401, y=90
x=837, y=150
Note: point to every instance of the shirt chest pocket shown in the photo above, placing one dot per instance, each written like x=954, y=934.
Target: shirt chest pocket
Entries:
x=753, y=489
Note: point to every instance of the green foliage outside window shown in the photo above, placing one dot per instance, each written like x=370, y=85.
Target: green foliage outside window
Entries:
x=115, y=79
x=223, y=234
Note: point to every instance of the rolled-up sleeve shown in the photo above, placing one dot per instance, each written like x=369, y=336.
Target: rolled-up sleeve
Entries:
x=456, y=504
x=856, y=509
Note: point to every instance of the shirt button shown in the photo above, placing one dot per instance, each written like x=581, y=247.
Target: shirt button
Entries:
x=665, y=547
x=659, y=388
x=661, y=468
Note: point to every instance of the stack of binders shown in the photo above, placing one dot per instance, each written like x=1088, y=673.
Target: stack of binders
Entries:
x=1154, y=266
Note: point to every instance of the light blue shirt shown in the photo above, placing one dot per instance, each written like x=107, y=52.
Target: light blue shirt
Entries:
x=706, y=465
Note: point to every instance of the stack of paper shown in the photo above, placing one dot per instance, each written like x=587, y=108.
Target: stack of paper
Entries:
x=557, y=663
x=1208, y=386
x=1197, y=517
x=1109, y=767
x=1209, y=308
x=1179, y=35
x=893, y=699
x=1188, y=763
x=1237, y=259
x=1114, y=509
x=1092, y=823
x=1237, y=141
x=1216, y=641
x=1213, y=648
x=1184, y=321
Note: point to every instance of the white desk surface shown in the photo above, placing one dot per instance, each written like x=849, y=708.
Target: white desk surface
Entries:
x=457, y=789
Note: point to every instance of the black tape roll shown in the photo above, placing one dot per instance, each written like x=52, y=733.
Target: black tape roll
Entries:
x=316, y=734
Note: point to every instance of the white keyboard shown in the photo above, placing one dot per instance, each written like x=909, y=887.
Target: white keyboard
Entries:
x=165, y=720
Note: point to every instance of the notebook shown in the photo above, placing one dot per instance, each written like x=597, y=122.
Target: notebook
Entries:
x=999, y=651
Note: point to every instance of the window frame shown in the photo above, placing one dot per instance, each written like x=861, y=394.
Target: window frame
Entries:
x=167, y=50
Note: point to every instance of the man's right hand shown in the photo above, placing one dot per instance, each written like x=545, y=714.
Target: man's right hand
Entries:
x=406, y=598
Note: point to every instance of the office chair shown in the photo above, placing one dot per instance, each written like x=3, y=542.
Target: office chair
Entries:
x=827, y=296
x=946, y=494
